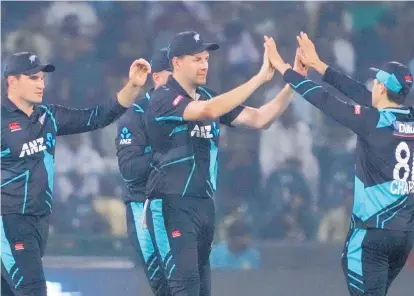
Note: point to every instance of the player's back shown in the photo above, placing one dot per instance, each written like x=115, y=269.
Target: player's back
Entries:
x=133, y=151
x=384, y=181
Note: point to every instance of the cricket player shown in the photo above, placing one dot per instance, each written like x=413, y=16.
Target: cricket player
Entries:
x=183, y=122
x=28, y=139
x=134, y=156
x=382, y=223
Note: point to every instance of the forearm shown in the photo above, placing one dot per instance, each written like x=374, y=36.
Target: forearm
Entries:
x=345, y=84
x=344, y=113
x=128, y=94
x=320, y=67
x=226, y=102
x=269, y=112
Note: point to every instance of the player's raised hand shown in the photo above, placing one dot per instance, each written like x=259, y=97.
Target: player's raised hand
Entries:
x=138, y=72
x=299, y=66
x=307, y=54
x=274, y=56
x=266, y=71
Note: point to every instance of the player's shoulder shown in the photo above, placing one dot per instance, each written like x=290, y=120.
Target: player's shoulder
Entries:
x=162, y=93
x=48, y=107
x=162, y=98
x=140, y=106
x=206, y=91
x=5, y=113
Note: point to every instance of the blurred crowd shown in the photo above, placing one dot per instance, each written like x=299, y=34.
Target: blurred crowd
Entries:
x=293, y=181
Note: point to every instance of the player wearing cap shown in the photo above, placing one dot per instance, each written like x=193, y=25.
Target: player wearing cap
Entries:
x=183, y=123
x=28, y=139
x=382, y=223
x=134, y=155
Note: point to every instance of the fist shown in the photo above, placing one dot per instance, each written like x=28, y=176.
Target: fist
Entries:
x=138, y=72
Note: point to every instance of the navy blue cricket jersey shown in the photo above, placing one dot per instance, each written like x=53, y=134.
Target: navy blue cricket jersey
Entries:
x=28, y=150
x=133, y=151
x=184, y=153
x=384, y=171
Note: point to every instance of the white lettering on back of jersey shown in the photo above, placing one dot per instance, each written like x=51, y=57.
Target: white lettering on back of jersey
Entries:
x=405, y=128
x=202, y=132
x=400, y=187
x=32, y=147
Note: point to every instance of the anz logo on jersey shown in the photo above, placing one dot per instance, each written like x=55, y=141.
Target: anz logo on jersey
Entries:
x=125, y=137
x=37, y=145
x=202, y=132
x=32, y=147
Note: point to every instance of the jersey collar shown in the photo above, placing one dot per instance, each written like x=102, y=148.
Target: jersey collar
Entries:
x=148, y=93
x=400, y=110
x=11, y=107
x=8, y=104
x=175, y=86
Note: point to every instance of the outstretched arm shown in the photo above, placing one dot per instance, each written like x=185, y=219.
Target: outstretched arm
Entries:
x=357, y=118
x=224, y=103
x=263, y=117
x=73, y=121
x=345, y=84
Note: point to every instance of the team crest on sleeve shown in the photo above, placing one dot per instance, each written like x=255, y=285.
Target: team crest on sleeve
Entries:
x=357, y=109
x=177, y=100
x=125, y=136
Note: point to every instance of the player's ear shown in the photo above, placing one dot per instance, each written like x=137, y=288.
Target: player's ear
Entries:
x=384, y=89
x=11, y=80
x=154, y=77
x=175, y=63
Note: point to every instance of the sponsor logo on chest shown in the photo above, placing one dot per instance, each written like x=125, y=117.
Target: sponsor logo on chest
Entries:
x=32, y=147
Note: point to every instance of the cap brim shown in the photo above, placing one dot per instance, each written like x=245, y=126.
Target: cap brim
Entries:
x=373, y=72
x=211, y=46
x=40, y=68
x=160, y=69
x=207, y=47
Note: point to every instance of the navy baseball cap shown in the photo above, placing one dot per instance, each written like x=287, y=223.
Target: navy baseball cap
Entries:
x=26, y=63
x=188, y=43
x=160, y=62
x=396, y=77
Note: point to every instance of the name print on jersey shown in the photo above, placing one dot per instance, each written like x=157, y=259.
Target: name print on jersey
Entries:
x=404, y=129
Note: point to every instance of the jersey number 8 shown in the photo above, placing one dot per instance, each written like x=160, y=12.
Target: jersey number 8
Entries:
x=402, y=155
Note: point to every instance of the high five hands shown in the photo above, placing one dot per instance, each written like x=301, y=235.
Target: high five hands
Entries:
x=306, y=56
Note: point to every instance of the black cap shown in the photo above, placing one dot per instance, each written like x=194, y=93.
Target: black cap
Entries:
x=396, y=77
x=188, y=43
x=160, y=62
x=26, y=63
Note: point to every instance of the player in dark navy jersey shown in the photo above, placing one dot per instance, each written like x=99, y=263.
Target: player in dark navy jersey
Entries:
x=183, y=123
x=134, y=156
x=28, y=139
x=381, y=227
